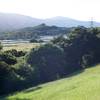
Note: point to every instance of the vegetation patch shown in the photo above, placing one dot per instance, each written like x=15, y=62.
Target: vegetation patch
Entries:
x=83, y=86
x=55, y=60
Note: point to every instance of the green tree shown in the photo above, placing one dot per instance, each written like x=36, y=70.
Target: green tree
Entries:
x=1, y=46
x=48, y=62
x=8, y=58
x=82, y=45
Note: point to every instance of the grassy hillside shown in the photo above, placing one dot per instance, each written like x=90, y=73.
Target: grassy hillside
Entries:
x=81, y=86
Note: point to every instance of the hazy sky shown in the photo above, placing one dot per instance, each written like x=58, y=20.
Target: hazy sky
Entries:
x=77, y=9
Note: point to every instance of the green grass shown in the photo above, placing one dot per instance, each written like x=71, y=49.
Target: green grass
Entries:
x=82, y=86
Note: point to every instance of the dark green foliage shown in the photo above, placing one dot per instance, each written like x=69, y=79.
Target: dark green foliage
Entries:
x=26, y=71
x=4, y=72
x=31, y=32
x=51, y=61
x=15, y=53
x=13, y=79
x=36, y=41
x=48, y=62
x=8, y=58
x=82, y=47
x=66, y=55
x=59, y=40
x=4, y=69
x=1, y=46
x=87, y=60
x=8, y=78
x=33, y=41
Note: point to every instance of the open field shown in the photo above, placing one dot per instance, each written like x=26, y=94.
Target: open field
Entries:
x=20, y=46
x=81, y=86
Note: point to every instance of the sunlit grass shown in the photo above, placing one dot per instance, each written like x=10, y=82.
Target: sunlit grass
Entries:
x=82, y=86
x=21, y=46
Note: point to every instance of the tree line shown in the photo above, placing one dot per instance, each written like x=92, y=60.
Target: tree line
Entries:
x=55, y=60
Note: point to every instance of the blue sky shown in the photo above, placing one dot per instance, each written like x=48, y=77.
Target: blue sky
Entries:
x=77, y=9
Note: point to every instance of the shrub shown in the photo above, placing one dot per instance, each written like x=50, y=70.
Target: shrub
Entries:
x=16, y=53
x=1, y=46
x=8, y=78
x=48, y=62
x=83, y=48
x=8, y=58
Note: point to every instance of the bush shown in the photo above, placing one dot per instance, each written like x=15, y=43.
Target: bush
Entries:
x=15, y=53
x=48, y=62
x=8, y=58
x=82, y=48
x=33, y=41
x=26, y=72
x=1, y=46
x=8, y=78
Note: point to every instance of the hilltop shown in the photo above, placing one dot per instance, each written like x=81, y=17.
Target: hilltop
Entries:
x=36, y=31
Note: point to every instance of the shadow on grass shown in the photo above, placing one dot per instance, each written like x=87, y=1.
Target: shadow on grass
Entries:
x=4, y=97
x=35, y=88
x=75, y=73
x=81, y=70
x=13, y=99
x=26, y=91
x=32, y=89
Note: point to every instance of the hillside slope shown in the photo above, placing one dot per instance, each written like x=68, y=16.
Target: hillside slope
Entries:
x=36, y=31
x=81, y=86
x=10, y=21
x=68, y=22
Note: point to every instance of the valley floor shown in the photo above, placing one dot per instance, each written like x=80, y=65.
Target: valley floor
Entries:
x=20, y=46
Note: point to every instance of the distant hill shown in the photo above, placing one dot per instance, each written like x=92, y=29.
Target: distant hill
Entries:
x=68, y=22
x=10, y=22
x=36, y=31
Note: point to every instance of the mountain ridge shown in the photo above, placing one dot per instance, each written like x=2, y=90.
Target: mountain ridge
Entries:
x=10, y=21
